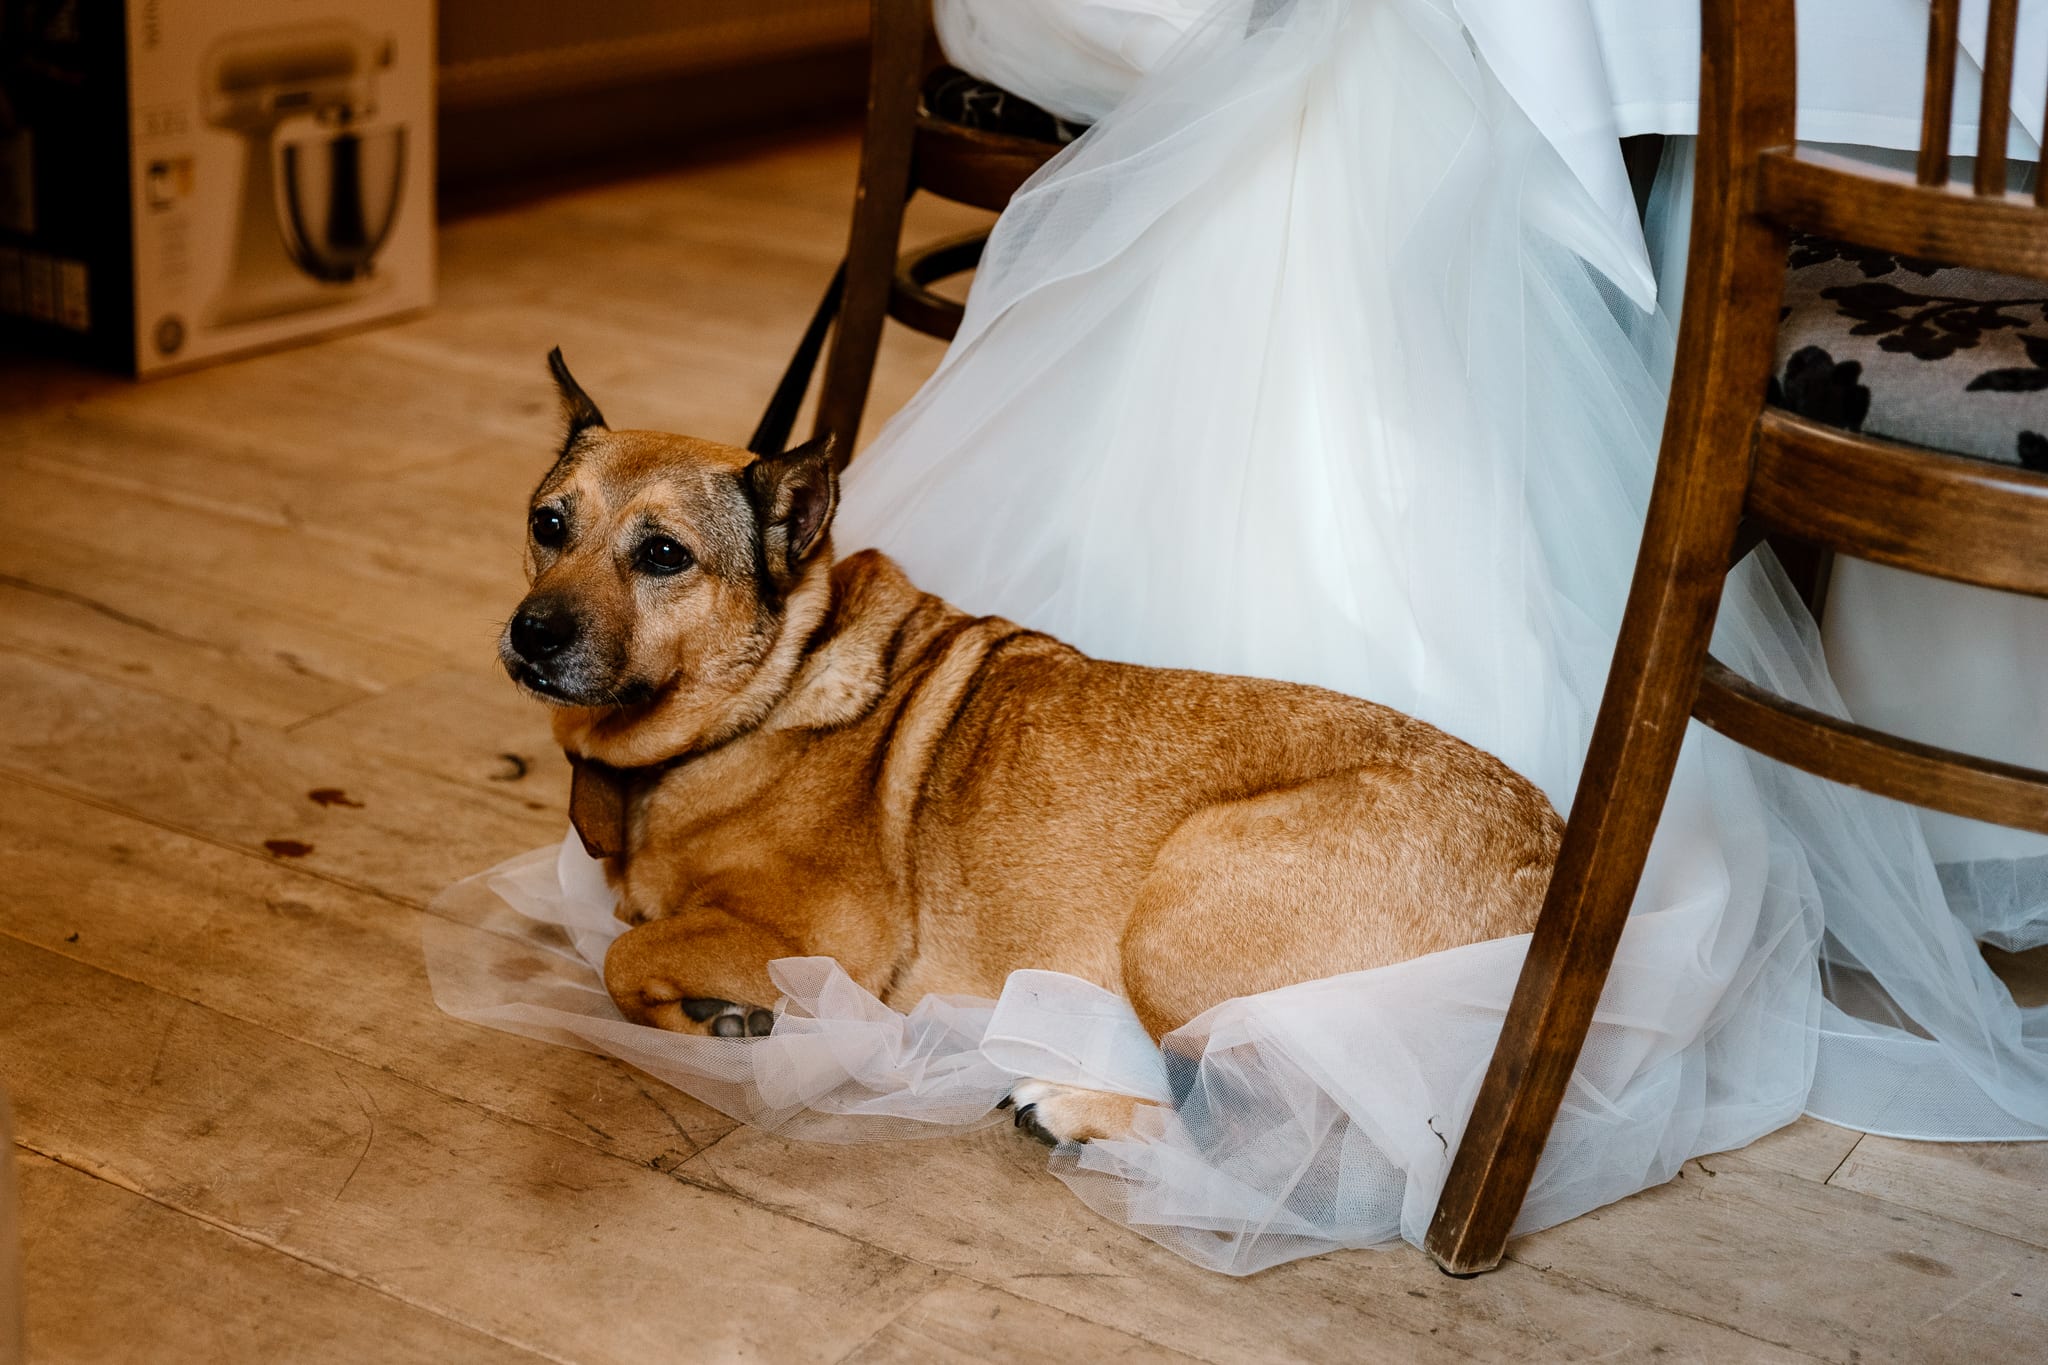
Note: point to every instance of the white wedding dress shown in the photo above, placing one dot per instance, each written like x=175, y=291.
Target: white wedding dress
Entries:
x=1317, y=359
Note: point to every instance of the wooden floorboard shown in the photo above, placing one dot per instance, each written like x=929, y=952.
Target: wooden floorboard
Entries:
x=464, y=725
x=540, y=1241
x=340, y=969
x=1819, y=1269
x=337, y=812
x=254, y=725
x=962, y=1323
x=168, y=1289
x=1999, y=1186
x=983, y=1207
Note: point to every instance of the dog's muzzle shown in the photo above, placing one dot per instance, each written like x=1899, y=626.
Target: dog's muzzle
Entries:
x=542, y=631
x=539, y=649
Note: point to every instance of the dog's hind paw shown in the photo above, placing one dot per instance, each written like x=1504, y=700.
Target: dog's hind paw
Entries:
x=729, y=1020
x=1055, y=1113
x=1026, y=1122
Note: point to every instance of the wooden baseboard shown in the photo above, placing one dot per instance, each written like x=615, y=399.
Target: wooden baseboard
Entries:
x=492, y=153
x=710, y=44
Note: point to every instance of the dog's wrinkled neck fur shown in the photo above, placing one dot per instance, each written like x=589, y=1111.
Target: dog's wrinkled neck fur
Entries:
x=825, y=667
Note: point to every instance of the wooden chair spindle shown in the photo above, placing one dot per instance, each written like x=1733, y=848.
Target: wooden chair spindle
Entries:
x=1939, y=109
x=1994, y=114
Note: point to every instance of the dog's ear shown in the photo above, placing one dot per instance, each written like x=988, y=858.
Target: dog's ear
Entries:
x=794, y=495
x=577, y=410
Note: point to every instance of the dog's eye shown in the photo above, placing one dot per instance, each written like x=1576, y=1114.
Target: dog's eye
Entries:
x=661, y=555
x=548, y=527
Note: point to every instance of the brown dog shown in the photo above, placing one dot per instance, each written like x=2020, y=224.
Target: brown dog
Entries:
x=815, y=758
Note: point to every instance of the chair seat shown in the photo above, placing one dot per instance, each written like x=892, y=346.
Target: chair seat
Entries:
x=971, y=102
x=1936, y=356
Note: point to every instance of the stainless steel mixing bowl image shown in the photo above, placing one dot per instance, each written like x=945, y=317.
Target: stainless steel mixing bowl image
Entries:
x=340, y=193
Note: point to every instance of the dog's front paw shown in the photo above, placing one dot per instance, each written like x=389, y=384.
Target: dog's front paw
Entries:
x=662, y=1003
x=675, y=974
x=728, y=1020
x=1054, y=1113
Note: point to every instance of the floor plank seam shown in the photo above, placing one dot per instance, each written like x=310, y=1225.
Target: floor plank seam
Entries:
x=87, y=798
x=146, y=685
x=500, y=792
x=1628, y=1296
x=790, y=1212
x=953, y=1278
x=1829, y=1178
x=243, y=1235
x=886, y=1324
x=1008, y=1285
x=293, y=727
x=2039, y=1244
x=112, y=613
x=278, y=517
x=106, y=481
x=2003, y=1234
x=381, y=1068
x=230, y=596
x=498, y=795
x=640, y=1080
x=230, y=601
x=1918, y=1214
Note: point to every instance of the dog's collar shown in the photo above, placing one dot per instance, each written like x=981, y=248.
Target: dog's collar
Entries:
x=597, y=802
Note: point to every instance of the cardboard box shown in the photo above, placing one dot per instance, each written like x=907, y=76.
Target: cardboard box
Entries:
x=190, y=179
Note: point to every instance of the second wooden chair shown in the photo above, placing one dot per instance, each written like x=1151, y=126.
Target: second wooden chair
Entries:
x=932, y=128
x=1731, y=460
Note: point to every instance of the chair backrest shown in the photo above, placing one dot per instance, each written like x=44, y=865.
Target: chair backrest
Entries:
x=1944, y=515
x=1727, y=452
x=1979, y=225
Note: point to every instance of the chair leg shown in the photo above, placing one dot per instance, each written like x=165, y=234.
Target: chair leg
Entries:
x=1735, y=279
x=1688, y=537
x=1634, y=750
x=896, y=63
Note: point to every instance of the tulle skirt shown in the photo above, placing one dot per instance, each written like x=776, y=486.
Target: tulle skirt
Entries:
x=1288, y=368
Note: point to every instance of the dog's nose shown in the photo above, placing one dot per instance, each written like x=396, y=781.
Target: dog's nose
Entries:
x=541, y=632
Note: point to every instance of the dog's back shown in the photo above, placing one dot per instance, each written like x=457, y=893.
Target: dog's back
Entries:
x=945, y=799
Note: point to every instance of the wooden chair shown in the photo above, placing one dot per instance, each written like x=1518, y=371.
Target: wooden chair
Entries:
x=1731, y=465
x=908, y=146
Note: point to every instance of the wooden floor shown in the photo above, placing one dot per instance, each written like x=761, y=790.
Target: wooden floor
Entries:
x=253, y=723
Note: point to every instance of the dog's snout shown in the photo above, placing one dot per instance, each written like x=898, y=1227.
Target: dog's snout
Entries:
x=542, y=630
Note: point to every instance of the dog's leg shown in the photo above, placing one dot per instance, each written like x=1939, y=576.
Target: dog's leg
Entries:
x=701, y=972
x=1055, y=1113
x=1353, y=871
x=1239, y=900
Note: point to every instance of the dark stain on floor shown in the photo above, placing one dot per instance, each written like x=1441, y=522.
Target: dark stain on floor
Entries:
x=516, y=767
x=1926, y=1265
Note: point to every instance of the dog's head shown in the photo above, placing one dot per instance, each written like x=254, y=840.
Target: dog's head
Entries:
x=661, y=567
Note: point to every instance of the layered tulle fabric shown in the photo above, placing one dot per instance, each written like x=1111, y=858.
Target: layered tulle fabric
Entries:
x=1295, y=366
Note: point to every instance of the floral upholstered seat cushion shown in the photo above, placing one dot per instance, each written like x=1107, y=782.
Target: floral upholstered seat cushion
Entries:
x=955, y=96
x=1936, y=356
